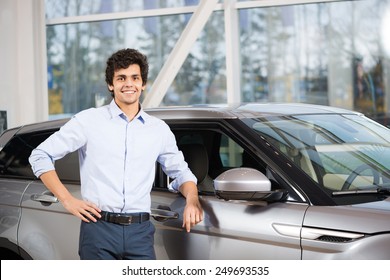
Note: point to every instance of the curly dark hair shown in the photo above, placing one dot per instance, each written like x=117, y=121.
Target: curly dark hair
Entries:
x=122, y=59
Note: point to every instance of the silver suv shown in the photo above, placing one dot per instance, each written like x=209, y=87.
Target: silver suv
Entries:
x=276, y=181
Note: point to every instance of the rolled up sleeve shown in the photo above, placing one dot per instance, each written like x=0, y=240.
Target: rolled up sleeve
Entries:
x=185, y=176
x=68, y=139
x=41, y=162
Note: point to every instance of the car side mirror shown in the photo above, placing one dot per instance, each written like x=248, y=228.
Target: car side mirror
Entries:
x=245, y=184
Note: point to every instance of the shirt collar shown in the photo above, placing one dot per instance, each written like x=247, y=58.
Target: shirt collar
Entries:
x=116, y=111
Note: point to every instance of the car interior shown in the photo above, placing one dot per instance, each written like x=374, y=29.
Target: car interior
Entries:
x=208, y=154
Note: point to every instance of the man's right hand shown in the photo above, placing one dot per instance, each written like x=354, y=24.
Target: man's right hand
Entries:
x=85, y=210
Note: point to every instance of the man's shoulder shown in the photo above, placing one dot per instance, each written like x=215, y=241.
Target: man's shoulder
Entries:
x=151, y=118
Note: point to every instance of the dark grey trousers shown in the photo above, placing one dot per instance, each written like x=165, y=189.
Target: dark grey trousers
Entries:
x=108, y=241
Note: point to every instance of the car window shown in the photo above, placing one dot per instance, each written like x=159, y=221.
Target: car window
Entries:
x=68, y=168
x=6, y=136
x=218, y=151
x=339, y=152
x=230, y=153
x=14, y=158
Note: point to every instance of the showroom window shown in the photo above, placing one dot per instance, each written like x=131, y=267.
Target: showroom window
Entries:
x=77, y=54
x=322, y=53
x=330, y=52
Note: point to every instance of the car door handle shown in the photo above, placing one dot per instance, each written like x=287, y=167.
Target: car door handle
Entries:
x=161, y=215
x=45, y=199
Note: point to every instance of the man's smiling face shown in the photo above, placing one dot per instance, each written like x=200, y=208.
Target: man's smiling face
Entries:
x=127, y=85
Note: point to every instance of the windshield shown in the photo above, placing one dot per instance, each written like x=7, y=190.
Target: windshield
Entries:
x=339, y=152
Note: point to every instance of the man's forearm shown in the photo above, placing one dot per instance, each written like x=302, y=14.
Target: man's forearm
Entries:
x=189, y=189
x=193, y=212
x=53, y=183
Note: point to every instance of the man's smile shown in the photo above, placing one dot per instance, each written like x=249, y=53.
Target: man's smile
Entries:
x=129, y=91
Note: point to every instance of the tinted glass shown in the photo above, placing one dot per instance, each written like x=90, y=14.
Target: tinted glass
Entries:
x=14, y=159
x=68, y=167
x=14, y=156
x=6, y=136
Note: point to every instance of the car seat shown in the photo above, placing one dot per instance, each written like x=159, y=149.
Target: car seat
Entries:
x=197, y=159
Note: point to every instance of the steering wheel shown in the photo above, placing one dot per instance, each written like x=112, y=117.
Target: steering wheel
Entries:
x=356, y=172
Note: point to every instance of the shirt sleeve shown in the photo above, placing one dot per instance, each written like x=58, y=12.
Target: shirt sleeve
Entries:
x=68, y=139
x=173, y=163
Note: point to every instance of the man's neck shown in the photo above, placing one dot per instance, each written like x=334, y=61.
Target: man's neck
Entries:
x=130, y=110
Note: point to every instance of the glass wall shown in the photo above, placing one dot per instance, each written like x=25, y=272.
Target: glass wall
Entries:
x=77, y=54
x=324, y=53
x=332, y=53
x=69, y=8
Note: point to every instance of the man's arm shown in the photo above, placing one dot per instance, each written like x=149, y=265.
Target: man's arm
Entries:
x=193, y=212
x=86, y=211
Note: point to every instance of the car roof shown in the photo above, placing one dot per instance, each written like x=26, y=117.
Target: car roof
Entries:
x=250, y=110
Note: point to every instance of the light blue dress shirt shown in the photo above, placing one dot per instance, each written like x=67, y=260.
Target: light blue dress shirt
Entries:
x=117, y=156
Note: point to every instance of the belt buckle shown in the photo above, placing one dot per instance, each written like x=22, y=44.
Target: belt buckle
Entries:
x=125, y=220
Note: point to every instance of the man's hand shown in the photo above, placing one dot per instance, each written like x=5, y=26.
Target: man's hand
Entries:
x=86, y=211
x=193, y=212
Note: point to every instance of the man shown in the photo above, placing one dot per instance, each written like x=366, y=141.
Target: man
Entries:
x=118, y=146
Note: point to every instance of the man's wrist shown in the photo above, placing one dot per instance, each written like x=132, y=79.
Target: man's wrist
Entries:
x=192, y=198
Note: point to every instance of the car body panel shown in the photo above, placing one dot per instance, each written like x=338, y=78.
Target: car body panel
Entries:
x=10, y=211
x=369, y=222
x=48, y=231
x=351, y=217
x=230, y=230
x=376, y=247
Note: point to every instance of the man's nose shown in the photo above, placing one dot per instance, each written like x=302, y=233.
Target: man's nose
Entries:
x=129, y=82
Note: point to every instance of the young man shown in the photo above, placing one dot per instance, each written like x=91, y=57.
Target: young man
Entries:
x=118, y=146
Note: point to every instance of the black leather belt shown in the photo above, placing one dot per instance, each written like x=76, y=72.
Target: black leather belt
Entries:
x=124, y=218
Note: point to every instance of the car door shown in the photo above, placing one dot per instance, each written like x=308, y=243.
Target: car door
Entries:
x=230, y=229
x=31, y=218
x=47, y=230
x=13, y=182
